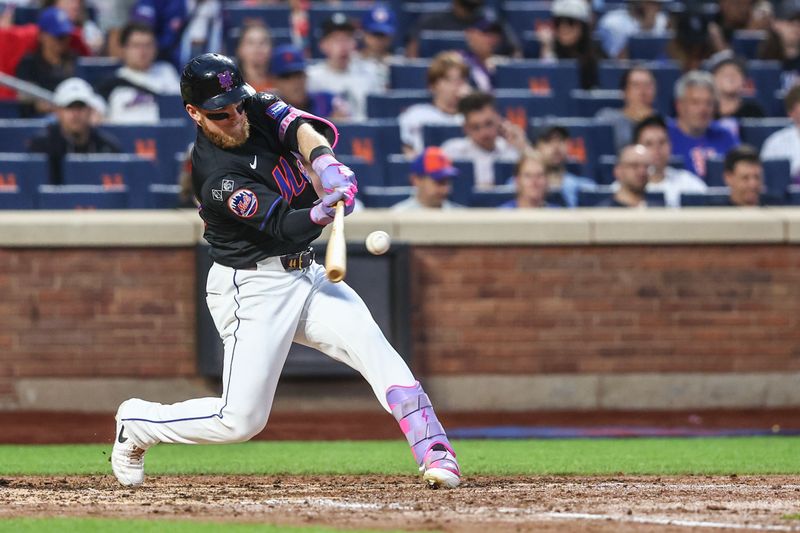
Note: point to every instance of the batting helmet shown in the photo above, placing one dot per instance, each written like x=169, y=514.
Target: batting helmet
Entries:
x=212, y=81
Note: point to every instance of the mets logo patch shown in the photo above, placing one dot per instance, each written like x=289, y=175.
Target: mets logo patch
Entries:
x=243, y=203
x=225, y=80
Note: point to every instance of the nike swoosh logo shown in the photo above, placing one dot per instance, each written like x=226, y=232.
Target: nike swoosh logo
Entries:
x=120, y=438
x=254, y=163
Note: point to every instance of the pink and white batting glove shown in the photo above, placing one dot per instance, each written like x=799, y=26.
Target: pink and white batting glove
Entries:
x=336, y=177
x=323, y=212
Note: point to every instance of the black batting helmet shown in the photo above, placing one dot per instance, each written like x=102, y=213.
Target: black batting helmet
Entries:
x=212, y=81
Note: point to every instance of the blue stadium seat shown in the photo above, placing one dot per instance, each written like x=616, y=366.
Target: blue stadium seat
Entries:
x=713, y=197
x=391, y=104
x=531, y=46
x=170, y=106
x=540, y=77
x=159, y=142
x=666, y=74
x=588, y=141
x=715, y=169
x=15, y=134
x=25, y=15
x=520, y=105
x=26, y=171
x=745, y=43
x=367, y=174
x=764, y=77
x=274, y=16
x=82, y=197
x=384, y=197
x=438, y=134
x=112, y=171
x=588, y=103
x=433, y=42
x=648, y=47
x=164, y=195
x=14, y=197
x=9, y=109
x=409, y=12
x=605, y=170
x=372, y=140
x=592, y=198
x=492, y=198
x=504, y=172
x=526, y=16
x=794, y=195
x=96, y=69
x=754, y=131
x=411, y=74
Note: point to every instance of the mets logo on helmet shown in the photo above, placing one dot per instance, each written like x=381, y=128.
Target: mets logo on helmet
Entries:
x=243, y=203
x=225, y=80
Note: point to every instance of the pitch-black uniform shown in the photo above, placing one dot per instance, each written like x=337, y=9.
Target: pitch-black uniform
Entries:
x=255, y=198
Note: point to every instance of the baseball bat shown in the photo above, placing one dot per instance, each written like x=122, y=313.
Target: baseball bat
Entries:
x=336, y=254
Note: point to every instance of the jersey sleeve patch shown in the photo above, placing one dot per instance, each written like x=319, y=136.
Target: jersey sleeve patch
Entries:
x=277, y=110
x=243, y=203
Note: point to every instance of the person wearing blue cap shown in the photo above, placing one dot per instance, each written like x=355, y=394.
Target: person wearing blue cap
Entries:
x=288, y=69
x=379, y=26
x=52, y=62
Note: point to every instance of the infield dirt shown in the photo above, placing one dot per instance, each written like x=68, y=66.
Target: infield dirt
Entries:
x=482, y=504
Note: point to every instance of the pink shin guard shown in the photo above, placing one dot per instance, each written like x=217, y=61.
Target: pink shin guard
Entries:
x=413, y=411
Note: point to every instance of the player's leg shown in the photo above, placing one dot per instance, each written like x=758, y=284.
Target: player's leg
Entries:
x=337, y=322
x=256, y=313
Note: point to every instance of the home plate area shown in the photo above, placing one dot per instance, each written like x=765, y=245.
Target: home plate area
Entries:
x=481, y=504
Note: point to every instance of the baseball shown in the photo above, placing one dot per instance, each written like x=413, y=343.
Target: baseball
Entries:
x=378, y=242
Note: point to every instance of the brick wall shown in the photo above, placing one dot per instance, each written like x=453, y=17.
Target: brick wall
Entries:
x=606, y=309
x=96, y=312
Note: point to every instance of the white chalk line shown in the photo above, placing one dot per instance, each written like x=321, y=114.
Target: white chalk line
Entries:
x=667, y=521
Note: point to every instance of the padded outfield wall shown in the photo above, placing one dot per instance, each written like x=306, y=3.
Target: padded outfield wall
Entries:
x=586, y=309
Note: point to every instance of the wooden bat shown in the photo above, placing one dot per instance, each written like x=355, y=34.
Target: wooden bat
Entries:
x=336, y=254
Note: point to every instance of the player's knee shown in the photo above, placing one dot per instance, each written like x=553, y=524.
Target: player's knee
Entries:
x=244, y=428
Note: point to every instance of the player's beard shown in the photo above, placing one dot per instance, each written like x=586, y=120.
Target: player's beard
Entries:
x=225, y=140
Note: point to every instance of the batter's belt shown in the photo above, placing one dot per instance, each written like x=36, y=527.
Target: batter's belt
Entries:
x=289, y=262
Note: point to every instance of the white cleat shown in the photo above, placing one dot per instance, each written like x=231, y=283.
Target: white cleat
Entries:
x=441, y=468
x=127, y=459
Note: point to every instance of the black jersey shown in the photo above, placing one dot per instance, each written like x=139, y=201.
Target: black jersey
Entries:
x=247, y=193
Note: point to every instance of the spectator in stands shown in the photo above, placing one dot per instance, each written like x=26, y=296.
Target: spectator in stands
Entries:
x=343, y=72
x=631, y=173
x=733, y=15
x=489, y=138
x=571, y=38
x=652, y=134
x=447, y=82
x=458, y=18
x=78, y=15
x=73, y=132
x=530, y=182
x=639, y=92
x=184, y=28
x=111, y=18
x=253, y=52
x=483, y=39
x=785, y=143
x=691, y=43
x=729, y=80
x=693, y=134
x=289, y=77
x=379, y=26
x=783, y=42
x=744, y=177
x=551, y=143
x=431, y=175
x=131, y=92
x=619, y=25
x=51, y=63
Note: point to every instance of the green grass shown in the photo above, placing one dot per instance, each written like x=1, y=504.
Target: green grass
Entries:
x=739, y=455
x=103, y=525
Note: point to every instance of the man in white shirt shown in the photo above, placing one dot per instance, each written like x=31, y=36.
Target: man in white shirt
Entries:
x=343, y=72
x=131, y=92
x=652, y=134
x=431, y=172
x=638, y=17
x=785, y=143
x=489, y=138
x=447, y=82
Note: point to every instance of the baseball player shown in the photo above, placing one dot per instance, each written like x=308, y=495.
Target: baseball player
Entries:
x=268, y=180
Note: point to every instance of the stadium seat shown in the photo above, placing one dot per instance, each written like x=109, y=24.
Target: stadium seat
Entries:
x=438, y=134
x=763, y=81
x=391, y=104
x=367, y=174
x=9, y=109
x=371, y=140
x=433, y=42
x=531, y=46
x=745, y=43
x=492, y=198
x=504, y=172
x=540, y=77
x=112, y=171
x=16, y=133
x=384, y=197
x=777, y=177
x=587, y=103
x=14, y=197
x=526, y=16
x=159, y=142
x=715, y=168
x=25, y=14
x=519, y=105
x=411, y=74
x=170, y=106
x=588, y=141
x=754, y=131
x=590, y=198
x=96, y=69
x=82, y=197
x=25, y=171
x=605, y=169
x=164, y=195
x=648, y=47
x=714, y=196
x=794, y=195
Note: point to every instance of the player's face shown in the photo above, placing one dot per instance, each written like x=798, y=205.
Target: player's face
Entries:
x=228, y=132
x=140, y=51
x=696, y=108
x=532, y=182
x=483, y=127
x=745, y=183
x=655, y=139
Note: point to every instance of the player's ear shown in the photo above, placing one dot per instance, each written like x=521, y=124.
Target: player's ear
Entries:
x=193, y=112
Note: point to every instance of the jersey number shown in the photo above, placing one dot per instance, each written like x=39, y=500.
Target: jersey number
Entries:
x=288, y=180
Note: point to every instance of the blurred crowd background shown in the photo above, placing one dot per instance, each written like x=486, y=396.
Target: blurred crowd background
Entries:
x=440, y=104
